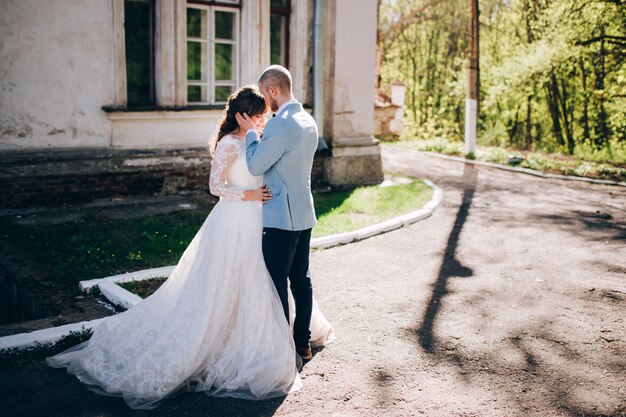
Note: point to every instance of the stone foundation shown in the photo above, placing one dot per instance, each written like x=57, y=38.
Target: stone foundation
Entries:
x=64, y=176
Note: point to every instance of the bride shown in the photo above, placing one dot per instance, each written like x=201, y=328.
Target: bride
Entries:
x=216, y=324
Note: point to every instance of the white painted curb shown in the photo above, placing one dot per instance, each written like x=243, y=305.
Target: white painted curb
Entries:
x=164, y=271
x=113, y=292
x=45, y=336
x=386, y=226
x=121, y=297
x=118, y=295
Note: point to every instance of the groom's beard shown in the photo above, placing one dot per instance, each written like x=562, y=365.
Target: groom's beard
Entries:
x=273, y=105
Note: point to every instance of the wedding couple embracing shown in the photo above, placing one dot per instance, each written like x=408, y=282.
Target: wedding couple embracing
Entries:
x=221, y=322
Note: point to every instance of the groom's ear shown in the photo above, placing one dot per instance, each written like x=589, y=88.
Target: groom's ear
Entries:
x=272, y=90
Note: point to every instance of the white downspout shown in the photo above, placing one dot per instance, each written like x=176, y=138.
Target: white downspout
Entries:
x=318, y=72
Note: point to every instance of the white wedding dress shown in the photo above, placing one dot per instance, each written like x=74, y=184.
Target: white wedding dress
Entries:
x=215, y=325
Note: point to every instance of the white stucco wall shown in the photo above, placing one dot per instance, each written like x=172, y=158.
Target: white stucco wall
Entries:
x=355, y=46
x=58, y=68
x=56, y=71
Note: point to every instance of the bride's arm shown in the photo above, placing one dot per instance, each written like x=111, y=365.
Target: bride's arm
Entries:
x=225, y=156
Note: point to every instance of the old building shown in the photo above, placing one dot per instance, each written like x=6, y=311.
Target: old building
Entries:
x=120, y=96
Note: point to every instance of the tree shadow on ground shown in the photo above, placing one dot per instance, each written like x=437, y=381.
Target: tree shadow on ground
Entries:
x=543, y=374
x=597, y=225
x=450, y=266
x=538, y=369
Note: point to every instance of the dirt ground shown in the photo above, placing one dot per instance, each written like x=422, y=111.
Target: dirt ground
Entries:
x=508, y=301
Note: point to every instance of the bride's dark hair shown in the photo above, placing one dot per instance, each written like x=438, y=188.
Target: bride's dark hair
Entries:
x=248, y=99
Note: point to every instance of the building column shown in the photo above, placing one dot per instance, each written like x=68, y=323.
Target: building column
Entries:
x=255, y=40
x=349, y=107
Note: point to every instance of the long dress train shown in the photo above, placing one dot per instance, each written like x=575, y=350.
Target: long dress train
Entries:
x=215, y=325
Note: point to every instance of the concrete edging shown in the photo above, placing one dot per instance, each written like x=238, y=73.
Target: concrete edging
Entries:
x=527, y=171
x=85, y=286
x=45, y=336
x=121, y=297
x=118, y=295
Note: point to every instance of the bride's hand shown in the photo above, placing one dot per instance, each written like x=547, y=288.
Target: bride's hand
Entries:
x=245, y=122
x=261, y=194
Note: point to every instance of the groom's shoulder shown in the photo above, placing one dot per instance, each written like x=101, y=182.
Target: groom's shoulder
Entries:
x=302, y=114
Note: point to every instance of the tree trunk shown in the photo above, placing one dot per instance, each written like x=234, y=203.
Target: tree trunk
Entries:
x=512, y=127
x=567, y=113
x=529, y=126
x=552, y=96
x=602, y=129
x=585, y=116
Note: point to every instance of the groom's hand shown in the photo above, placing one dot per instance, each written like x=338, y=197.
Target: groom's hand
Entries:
x=245, y=122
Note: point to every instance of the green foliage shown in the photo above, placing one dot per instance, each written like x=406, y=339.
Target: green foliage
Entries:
x=439, y=145
x=427, y=58
x=552, y=74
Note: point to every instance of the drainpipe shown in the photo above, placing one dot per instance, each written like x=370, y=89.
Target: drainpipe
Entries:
x=318, y=73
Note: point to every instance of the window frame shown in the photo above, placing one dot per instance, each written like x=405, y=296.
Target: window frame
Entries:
x=223, y=3
x=283, y=12
x=210, y=7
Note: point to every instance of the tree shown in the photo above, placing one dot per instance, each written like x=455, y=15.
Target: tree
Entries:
x=553, y=74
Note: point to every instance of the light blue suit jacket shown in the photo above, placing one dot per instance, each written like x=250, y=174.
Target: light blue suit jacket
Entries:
x=284, y=156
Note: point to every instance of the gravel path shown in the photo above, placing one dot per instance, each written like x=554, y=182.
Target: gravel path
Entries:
x=508, y=301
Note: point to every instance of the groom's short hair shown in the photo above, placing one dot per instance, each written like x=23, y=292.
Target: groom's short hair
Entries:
x=278, y=76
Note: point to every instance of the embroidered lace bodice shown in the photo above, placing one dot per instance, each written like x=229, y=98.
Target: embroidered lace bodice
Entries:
x=229, y=172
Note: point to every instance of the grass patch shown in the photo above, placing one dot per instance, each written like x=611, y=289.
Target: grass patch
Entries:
x=553, y=163
x=351, y=210
x=142, y=288
x=101, y=247
x=441, y=146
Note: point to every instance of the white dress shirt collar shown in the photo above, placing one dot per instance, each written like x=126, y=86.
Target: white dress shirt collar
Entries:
x=285, y=104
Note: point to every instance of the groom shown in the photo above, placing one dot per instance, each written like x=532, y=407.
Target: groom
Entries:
x=285, y=157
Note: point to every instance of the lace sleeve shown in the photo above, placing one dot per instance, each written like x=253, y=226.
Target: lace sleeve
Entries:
x=225, y=156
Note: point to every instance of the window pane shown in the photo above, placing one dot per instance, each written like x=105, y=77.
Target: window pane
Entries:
x=196, y=93
x=196, y=23
x=222, y=92
x=138, y=42
x=224, y=25
x=223, y=61
x=277, y=35
x=196, y=61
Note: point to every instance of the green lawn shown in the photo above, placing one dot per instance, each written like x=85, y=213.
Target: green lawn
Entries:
x=101, y=247
x=350, y=210
x=587, y=165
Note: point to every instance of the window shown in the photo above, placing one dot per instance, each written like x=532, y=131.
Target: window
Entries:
x=138, y=38
x=212, y=51
x=279, y=32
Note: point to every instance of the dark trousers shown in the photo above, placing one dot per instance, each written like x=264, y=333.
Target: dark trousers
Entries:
x=286, y=255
